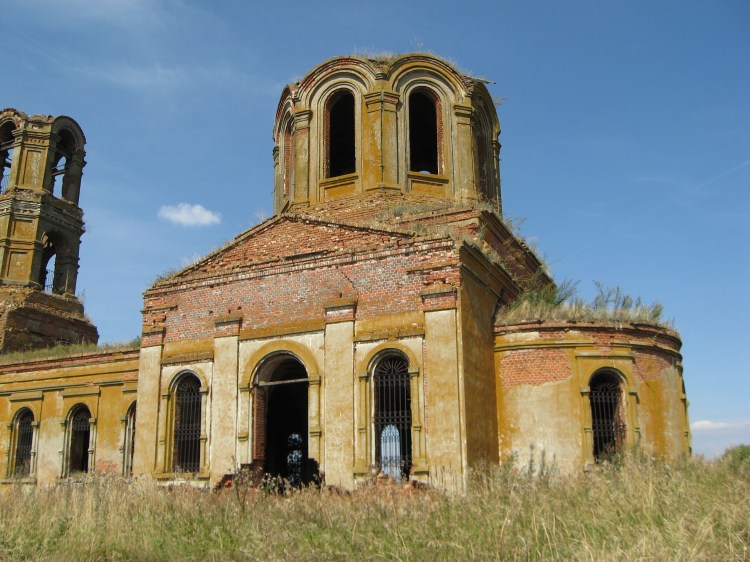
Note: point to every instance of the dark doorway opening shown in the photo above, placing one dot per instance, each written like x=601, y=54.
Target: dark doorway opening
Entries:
x=284, y=386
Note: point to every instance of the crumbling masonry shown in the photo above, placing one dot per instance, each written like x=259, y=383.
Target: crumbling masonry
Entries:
x=355, y=331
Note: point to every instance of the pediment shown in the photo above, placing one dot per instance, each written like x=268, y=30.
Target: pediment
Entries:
x=290, y=238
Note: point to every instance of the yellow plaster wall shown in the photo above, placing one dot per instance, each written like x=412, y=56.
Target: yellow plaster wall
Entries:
x=50, y=390
x=338, y=404
x=445, y=414
x=477, y=306
x=146, y=428
x=554, y=416
x=224, y=400
x=543, y=419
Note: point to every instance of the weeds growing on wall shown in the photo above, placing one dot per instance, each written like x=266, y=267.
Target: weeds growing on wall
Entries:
x=67, y=350
x=560, y=302
x=638, y=509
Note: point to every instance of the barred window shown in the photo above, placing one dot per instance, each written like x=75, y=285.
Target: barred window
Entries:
x=187, y=425
x=607, y=416
x=24, y=439
x=392, y=388
x=80, y=435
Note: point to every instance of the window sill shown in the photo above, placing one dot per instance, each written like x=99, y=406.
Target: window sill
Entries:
x=339, y=185
x=437, y=178
x=182, y=476
x=28, y=480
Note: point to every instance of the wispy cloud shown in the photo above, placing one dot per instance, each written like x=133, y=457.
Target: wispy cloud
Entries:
x=711, y=425
x=119, y=13
x=186, y=214
x=152, y=77
x=158, y=79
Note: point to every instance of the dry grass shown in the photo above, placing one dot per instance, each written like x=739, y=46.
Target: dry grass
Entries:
x=559, y=303
x=640, y=510
x=67, y=350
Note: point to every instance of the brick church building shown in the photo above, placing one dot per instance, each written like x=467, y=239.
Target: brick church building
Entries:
x=357, y=331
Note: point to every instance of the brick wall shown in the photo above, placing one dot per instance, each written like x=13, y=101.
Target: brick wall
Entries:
x=385, y=273
x=534, y=367
x=526, y=362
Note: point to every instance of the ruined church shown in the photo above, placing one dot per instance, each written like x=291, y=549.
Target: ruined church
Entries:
x=357, y=331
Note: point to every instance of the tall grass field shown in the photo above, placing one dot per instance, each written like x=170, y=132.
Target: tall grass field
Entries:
x=635, y=509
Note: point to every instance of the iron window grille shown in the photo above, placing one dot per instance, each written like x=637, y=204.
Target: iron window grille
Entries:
x=392, y=417
x=24, y=441
x=607, y=425
x=187, y=426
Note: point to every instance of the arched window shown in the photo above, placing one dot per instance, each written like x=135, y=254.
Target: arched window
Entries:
x=51, y=276
x=6, y=154
x=186, y=454
x=80, y=437
x=483, y=173
x=339, y=140
x=129, y=441
x=392, y=389
x=607, y=415
x=23, y=436
x=288, y=158
x=61, y=159
x=423, y=132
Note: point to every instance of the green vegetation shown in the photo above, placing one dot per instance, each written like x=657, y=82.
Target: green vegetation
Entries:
x=67, y=350
x=560, y=303
x=739, y=458
x=637, y=509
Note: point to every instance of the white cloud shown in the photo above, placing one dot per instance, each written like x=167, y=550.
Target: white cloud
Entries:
x=186, y=214
x=708, y=425
x=711, y=437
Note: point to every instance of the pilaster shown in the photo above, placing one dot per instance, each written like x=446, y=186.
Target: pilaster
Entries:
x=147, y=420
x=338, y=391
x=224, y=397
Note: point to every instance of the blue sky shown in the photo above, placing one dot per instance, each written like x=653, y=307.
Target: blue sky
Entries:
x=626, y=141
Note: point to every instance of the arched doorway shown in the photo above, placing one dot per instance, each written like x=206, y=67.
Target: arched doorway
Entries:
x=281, y=419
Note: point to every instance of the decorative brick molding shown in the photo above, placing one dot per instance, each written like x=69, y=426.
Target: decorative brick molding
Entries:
x=439, y=297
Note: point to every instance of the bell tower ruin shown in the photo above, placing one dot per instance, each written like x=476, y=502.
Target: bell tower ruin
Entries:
x=41, y=224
